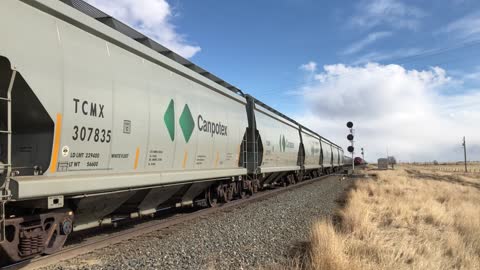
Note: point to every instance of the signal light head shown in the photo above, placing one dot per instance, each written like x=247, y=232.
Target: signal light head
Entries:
x=350, y=124
x=350, y=149
x=350, y=137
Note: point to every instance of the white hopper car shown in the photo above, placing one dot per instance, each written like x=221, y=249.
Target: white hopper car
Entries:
x=98, y=123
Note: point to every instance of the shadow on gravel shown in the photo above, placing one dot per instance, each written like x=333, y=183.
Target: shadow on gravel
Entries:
x=453, y=179
x=97, y=232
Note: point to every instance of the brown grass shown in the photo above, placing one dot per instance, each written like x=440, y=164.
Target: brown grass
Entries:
x=405, y=219
x=472, y=167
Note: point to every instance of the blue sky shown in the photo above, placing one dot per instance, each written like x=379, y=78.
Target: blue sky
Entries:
x=259, y=46
x=407, y=72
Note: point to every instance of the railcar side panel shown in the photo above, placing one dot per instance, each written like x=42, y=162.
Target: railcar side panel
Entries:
x=281, y=141
x=131, y=111
x=327, y=154
x=86, y=119
x=342, y=157
x=334, y=156
x=312, y=150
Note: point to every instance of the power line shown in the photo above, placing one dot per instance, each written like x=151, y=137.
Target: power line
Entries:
x=438, y=51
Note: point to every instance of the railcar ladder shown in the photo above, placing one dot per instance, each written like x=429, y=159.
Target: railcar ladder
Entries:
x=250, y=161
x=6, y=169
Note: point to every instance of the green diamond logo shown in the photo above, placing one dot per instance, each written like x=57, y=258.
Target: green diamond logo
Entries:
x=186, y=123
x=169, y=119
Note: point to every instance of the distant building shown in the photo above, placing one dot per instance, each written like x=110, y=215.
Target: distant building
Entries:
x=392, y=161
x=383, y=164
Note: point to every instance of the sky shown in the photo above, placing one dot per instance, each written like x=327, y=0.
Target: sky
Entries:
x=407, y=73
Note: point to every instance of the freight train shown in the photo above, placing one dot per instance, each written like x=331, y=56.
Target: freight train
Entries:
x=99, y=122
x=358, y=161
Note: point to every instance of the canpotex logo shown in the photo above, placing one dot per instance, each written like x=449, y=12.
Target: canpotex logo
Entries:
x=187, y=123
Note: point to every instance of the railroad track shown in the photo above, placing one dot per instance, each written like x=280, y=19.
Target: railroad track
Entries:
x=97, y=242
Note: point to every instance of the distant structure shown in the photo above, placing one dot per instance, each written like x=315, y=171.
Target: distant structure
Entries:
x=392, y=161
x=382, y=164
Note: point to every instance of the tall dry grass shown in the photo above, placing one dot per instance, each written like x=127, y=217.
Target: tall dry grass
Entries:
x=402, y=220
x=473, y=168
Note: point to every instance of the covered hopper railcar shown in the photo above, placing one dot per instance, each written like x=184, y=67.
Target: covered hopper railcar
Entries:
x=99, y=123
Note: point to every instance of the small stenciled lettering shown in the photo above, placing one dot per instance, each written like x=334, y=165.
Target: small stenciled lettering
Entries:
x=89, y=159
x=120, y=156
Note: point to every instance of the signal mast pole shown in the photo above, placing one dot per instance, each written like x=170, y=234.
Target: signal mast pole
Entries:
x=353, y=162
x=353, y=158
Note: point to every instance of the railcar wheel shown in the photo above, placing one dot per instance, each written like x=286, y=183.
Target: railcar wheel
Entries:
x=249, y=187
x=211, y=197
x=256, y=185
x=300, y=177
x=291, y=180
x=233, y=190
x=31, y=236
x=221, y=191
x=284, y=181
x=241, y=192
x=225, y=192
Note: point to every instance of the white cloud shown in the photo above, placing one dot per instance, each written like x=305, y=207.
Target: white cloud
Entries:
x=404, y=110
x=473, y=76
x=152, y=18
x=310, y=66
x=396, y=14
x=467, y=27
x=360, y=45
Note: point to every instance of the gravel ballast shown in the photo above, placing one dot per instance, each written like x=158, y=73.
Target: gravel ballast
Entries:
x=258, y=234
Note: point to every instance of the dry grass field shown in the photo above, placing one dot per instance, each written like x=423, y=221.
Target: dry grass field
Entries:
x=472, y=167
x=403, y=219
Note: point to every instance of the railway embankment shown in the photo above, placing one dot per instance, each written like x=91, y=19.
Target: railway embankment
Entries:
x=256, y=235
x=402, y=219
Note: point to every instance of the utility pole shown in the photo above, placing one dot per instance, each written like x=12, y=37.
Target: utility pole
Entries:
x=464, y=144
x=388, y=158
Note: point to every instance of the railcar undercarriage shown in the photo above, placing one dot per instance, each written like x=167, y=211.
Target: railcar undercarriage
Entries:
x=31, y=233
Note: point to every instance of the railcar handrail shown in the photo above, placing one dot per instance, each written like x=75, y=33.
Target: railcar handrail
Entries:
x=5, y=193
